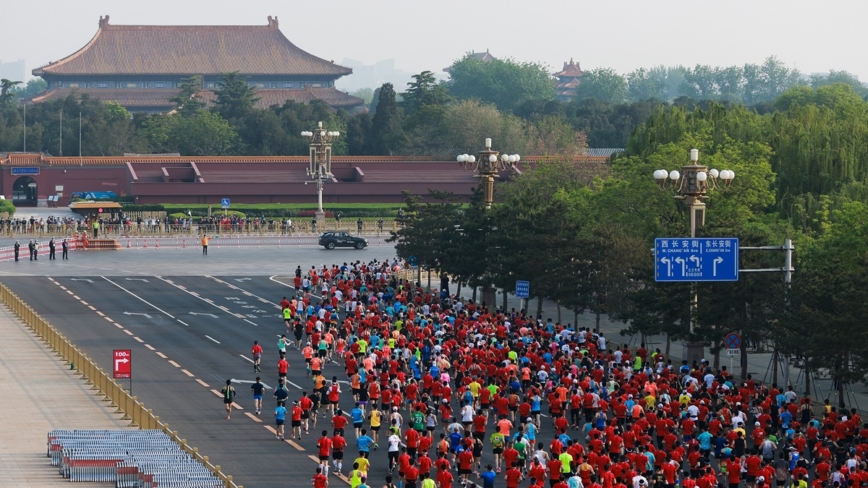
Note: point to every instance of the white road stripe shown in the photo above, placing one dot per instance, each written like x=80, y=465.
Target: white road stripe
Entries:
x=246, y=358
x=140, y=298
x=213, y=339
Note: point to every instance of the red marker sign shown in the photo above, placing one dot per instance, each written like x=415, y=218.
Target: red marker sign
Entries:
x=122, y=363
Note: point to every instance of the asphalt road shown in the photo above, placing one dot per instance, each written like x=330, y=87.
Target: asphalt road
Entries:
x=188, y=335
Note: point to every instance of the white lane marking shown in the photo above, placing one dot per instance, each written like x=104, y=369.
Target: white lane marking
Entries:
x=249, y=322
x=191, y=375
x=150, y=347
x=173, y=363
x=246, y=358
x=140, y=298
x=128, y=332
x=206, y=385
x=293, y=384
x=185, y=325
x=162, y=355
x=213, y=339
x=136, y=338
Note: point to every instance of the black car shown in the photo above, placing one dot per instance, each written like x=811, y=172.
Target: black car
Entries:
x=331, y=240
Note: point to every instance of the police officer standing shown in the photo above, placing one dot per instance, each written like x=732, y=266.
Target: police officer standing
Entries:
x=359, y=224
x=30, y=249
x=51, y=248
x=65, y=246
x=17, y=249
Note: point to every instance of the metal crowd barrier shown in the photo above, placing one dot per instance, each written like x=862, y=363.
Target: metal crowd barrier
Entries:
x=129, y=458
x=130, y=406
x=220, y=241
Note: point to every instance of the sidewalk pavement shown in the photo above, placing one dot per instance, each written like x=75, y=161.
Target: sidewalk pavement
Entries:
x=41, y=394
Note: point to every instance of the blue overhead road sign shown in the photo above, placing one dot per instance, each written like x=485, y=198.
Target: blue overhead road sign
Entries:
x=522, y=289
x=702, y=259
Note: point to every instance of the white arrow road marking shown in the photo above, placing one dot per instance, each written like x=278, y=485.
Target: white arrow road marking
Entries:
x=136, y=313
x=205, y=314
x=138, y=279
x=140, y=298
x=242, y=279
x=231, y=298
x=81, y=279
x=249, y=382
x=213, y=339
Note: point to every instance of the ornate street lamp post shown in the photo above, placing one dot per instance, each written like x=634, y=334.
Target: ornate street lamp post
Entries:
x=487, y=166
x=690, y=186
x=320, y=168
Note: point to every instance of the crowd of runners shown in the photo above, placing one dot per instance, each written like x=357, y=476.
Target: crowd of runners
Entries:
x=446, y=392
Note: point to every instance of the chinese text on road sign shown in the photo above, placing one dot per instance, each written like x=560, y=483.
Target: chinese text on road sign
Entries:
x=703, y=259
x=522, y=289
x=123, y=362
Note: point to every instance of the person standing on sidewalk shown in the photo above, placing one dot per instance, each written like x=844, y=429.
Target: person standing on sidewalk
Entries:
x=95, y=227
x=36, y=250
x=65, y=247
x=17, y=250
x=51, y=248
x=205, y=245
x=228, y=397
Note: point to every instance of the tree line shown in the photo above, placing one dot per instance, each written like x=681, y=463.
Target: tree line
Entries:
x=502, y=99
x=583, y=240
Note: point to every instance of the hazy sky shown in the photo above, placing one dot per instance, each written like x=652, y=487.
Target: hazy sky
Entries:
x=812, y=35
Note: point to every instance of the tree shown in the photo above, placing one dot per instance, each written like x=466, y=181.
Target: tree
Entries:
x=645, y=85
x=387, y=134
x=365, y=94
x=188, y=102
x=204, y=134
x=235, y=98
x=7, y=93
x=839, y=77
x=505, y=83
x=424, y=91
x=603, y=84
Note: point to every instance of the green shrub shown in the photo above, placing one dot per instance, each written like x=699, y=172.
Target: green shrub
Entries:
x=7, y=207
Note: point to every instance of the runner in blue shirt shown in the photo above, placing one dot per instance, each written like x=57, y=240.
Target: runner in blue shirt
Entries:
x=279, y=420
x=358, y=416
x=364, y=442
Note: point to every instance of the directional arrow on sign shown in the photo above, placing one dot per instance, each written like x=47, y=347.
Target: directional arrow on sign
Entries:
x=136, y=313
x=137, y=279
x=82, y=279
x=695, y=259
x=668, y=264
x=124, y=360
x=716, y=261
x=683, y=264
x=205, y=314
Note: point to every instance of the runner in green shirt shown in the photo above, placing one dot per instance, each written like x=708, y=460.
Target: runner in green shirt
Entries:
x=497, y=443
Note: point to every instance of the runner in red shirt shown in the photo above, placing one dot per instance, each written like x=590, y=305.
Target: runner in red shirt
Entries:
x=513, y=476
x=325, y=446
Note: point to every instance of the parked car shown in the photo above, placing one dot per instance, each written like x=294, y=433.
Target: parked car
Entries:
x=331, y=240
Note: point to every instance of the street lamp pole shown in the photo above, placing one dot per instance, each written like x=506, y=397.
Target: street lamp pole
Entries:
x=691, y=186
x=320, y=168
x=487, y=166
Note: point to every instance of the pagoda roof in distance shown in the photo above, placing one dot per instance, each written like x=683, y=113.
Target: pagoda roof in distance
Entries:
x=571, y=70
x=191, y=50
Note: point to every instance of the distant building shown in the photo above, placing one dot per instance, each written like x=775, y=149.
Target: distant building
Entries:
x=568, y=79
x=485, y=57
x=141, y=66
x=374, y=75
x=12, y=70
